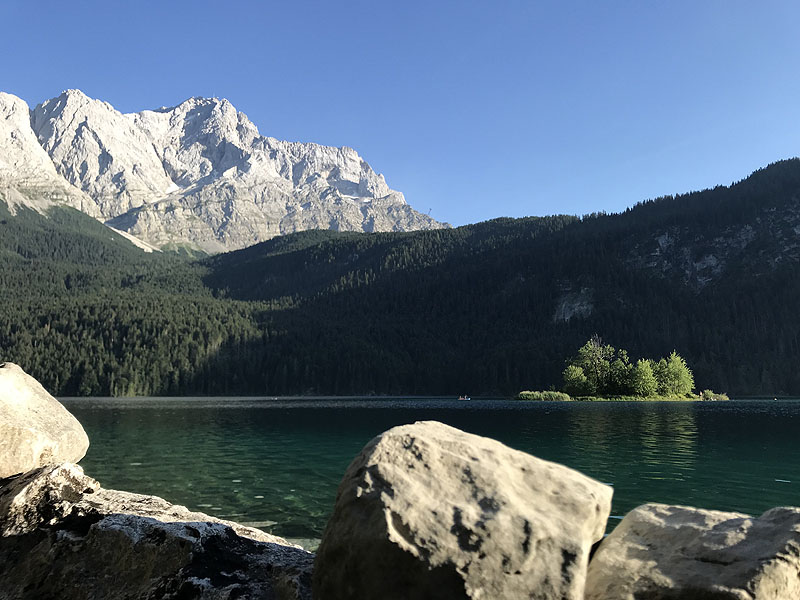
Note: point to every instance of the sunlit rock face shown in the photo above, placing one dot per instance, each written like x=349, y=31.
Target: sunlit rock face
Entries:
x=35, y=429
x=429, y=511
x=27, y=175
x=661, y=551
x=198, y=174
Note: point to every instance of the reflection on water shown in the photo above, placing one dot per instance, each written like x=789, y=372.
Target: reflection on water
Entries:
x=277, y=463
x=645, y=450
x=668, y=438
x=659, y=438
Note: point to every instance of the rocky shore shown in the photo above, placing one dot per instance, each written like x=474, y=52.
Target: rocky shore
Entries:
x=424, y=511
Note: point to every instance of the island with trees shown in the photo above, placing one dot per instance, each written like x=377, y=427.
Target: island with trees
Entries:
x=601, y=372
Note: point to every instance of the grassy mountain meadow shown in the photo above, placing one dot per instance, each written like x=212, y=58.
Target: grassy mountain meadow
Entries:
x=490, y=308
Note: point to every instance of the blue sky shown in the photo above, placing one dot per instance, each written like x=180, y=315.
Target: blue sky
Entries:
x=473, y=109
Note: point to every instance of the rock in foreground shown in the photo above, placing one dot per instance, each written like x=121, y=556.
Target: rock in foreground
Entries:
x=63, y=536
x=661, y=552
x=428, y=511
x=35, y=430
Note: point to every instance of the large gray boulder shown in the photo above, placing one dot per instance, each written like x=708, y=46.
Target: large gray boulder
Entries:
x=661, y=552
x=35, y=429
x=428, y=511
x=63, y=536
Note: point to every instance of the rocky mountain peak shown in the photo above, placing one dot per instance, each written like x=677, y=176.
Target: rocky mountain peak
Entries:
x=27, y=174
x=200, y=137
x=22, y=155
x=98, y=150
x=200, y=174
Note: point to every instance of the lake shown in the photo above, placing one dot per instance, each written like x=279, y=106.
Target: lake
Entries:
x=276, y=463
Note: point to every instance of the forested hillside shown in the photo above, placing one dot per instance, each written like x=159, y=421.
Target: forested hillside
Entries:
x=490, y=308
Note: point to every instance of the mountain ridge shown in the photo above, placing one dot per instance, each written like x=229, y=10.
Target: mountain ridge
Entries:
x=199, y=174
x=509, y=300
x=489, y=308
x=27, y=175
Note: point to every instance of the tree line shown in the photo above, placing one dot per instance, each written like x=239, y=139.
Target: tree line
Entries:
x=480, y=309
x=599, y=369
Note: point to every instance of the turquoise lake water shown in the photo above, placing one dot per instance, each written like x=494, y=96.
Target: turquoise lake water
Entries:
x=276, y=463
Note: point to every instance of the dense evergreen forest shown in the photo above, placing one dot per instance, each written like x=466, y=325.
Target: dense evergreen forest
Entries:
x=489, y=308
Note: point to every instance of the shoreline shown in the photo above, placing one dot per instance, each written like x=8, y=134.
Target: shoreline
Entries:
x=550, y=396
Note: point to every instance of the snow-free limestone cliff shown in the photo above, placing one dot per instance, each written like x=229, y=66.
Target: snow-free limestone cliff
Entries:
x=198, y=174
x=27, y=175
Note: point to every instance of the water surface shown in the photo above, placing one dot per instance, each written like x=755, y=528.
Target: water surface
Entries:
x=276, y=463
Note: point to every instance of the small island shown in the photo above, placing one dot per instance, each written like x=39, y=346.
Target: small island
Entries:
x=600, y=372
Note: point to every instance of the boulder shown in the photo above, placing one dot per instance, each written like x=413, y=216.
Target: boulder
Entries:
x=428, y=511
x=63, y=536
x=677, y=552
x=35, y=429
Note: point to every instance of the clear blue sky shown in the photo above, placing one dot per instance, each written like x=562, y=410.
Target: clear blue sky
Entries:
x=473, y=109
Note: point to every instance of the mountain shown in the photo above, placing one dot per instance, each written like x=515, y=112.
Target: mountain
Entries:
x=198, y=175
x=488, y=308
x=500, y=305
x=27, y=175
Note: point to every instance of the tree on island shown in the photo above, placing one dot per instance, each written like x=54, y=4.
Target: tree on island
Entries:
x=601, y=370
x=589, y=372
x=675, y=377
x=643, y=381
